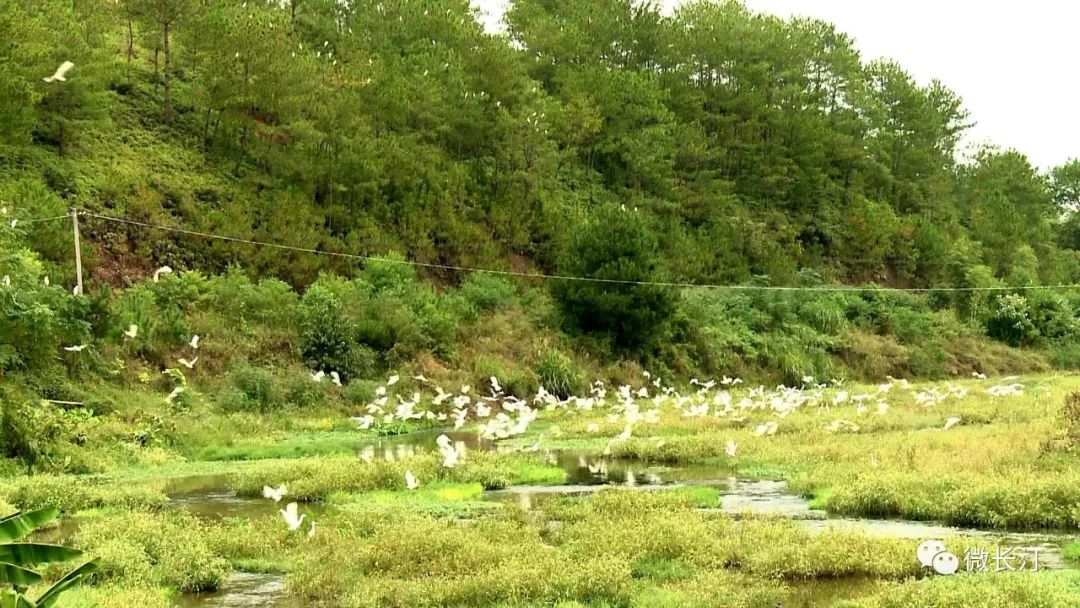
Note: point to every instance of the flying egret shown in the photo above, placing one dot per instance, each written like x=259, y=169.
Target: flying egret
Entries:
x=176, y=392
x=951, y=422
x=392, y=380
x=132, y=331
x=275, y=494
x=75, y=349
x=61, y=72
x=161, y=271
x=768, y=428
x=188, y=364
x=410, y=481
x=730, y=449
x=292, y=517
x=194, y=343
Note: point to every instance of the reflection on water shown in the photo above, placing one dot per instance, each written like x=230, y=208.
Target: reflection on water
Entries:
x=208, y=497
x=243, y=590
x=826, y=592
x=763, y=497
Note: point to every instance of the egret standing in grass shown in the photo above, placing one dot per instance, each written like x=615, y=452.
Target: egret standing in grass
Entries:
x=410, y=481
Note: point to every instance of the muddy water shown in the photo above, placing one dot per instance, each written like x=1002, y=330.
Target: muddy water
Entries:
x=243, y=590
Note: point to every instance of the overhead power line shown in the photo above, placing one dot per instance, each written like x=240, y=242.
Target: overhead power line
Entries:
x=559, y=277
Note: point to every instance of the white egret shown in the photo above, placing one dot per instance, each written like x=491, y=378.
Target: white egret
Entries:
x=768, y=428
x=731, y=448
x=61, y=73
x=131, y=332
x=410, y=481
x=392, y=380
x=275, y=494
x=188, y=364
x=311, y=531
x=292, y=517
x=176, y=392
x=318, y=376
x=161, y=271
x=951, y=422
x=75, y=349
x=335, y=378
x=194, y=343
x=14, y=223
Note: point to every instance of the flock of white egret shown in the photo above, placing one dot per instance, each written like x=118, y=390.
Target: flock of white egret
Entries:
x=500, y=416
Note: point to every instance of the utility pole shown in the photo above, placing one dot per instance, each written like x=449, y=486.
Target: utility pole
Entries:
x=78, y=253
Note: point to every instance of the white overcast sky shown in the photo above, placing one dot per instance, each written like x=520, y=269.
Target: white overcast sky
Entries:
x=1013, y=63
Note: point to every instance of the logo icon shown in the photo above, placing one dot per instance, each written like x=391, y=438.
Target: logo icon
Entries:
x=933, y=554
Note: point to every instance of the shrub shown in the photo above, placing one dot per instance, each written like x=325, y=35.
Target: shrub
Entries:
x=558, y=374
x=1011, y=321
x=73, y=494
x=485, y=292
x=1071, y=414
x=327, y=335
x=614, y=246
x=168, y=549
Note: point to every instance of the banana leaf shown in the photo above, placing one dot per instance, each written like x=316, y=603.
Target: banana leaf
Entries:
x=76, y=576
x=26, y=554
x=14, y=527
x=11, y=599
x=17, y=576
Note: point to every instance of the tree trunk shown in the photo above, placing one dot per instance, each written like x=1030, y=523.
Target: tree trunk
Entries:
x=130, y=41
x=166, y=76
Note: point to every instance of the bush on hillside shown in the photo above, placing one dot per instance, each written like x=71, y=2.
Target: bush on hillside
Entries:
x=615, y=246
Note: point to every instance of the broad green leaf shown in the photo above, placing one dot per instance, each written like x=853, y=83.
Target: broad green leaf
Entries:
x=18, y=576
x=34, y=553
x=76, y=576
x=17, y=526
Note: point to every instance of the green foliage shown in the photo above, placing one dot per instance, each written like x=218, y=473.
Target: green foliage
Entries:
x=327, y=341
x=617, y=247
x=18, y=558
x=169, y=549
x=1011, y=321
x=1071, y=417
x=558, y=374
x=72, y=494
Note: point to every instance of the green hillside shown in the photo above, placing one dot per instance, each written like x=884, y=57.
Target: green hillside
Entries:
x=594, y=140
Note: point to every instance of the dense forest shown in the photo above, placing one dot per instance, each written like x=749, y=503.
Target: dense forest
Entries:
x=593, y=139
